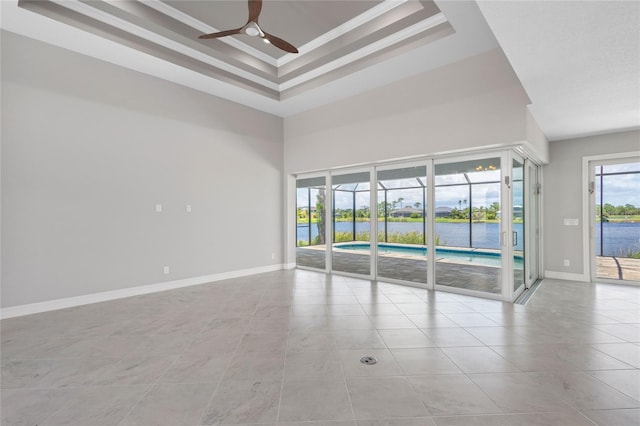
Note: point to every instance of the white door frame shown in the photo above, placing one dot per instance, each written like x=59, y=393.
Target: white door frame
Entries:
x=506, y=155
x=506, y=274
x=532, y=217
x=588, y=210
x=327, y=183
x=372, y=226
x=428, y=209
x=511, y=248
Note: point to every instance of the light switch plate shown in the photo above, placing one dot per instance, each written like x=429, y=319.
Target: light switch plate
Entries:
x=571, y=222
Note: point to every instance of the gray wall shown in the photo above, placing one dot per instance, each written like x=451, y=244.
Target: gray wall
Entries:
x=471, y=103
x=89, y=148
x=562, y=195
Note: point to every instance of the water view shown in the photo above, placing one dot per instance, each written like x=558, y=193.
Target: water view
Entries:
x=484, y=235
x=467, y=210
x=620, y=238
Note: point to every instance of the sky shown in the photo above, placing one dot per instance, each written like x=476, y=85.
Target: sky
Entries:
x=620, y=189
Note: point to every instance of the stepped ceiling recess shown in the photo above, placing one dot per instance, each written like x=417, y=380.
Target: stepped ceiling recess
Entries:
x=345, y=47
x=578, y=61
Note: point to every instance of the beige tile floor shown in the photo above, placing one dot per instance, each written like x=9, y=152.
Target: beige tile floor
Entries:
x=284, y=348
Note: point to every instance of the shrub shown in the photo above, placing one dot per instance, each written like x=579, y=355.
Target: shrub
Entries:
x=343, y=237
x=413, y=237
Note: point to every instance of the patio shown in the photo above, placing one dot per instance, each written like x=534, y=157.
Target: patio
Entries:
x=406, y=268
x=448, y=273
x=618, y=268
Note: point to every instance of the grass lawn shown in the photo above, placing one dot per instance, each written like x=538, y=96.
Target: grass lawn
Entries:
x=624, y=218
x=414, y=220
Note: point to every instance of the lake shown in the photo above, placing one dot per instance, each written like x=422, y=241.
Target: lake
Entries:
x=619, y=238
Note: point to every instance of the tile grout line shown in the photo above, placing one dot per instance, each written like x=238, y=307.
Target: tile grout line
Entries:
x=153, y=385
x=217, y=386
x=450, y=360
x=344, y=375
x=578, y=315
x=587, y=373
x=284, y=362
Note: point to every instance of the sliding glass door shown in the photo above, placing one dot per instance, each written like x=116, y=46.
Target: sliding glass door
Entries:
x=351, y=213
x=402, y=215
x=616, y=201
x=517, y=222
x=310, y=222
x=532, y=227
x=467, y=223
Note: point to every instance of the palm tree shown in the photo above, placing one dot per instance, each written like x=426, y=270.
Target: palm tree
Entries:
x=400, y=200
x=320, y=214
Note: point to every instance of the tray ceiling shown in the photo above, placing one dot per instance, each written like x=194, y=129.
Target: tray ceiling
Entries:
x=337, y=40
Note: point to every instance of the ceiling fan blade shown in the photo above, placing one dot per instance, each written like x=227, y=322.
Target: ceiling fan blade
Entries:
x=255, y=6
x=280, y=43
x=221, y=34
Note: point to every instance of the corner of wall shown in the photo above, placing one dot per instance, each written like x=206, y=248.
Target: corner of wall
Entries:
x=69, y=302
x=566, y=196
x=536, y=140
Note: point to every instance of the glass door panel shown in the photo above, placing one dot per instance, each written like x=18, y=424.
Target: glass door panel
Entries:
x=517, y=220
x=532, y=233
x=402, y=249
x=310, y=222
x=351, y=223
x=467, y=216
x=617, y=221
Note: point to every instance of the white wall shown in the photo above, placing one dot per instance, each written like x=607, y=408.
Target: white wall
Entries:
x=562, y=193
x=89, y=148
x=472, y=103
x=536, y=140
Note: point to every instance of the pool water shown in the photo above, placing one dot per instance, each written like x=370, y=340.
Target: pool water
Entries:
x=442, y=254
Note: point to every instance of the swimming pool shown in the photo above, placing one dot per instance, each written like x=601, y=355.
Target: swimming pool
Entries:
x=466, y=255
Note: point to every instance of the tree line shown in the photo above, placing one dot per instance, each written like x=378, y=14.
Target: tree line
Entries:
x=384, y=209
x=609, y=210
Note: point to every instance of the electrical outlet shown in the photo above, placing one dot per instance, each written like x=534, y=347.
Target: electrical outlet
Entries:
x=188, y=208
x=566, y=262
x=158, y=208
x=273, y=256
x=165, y=270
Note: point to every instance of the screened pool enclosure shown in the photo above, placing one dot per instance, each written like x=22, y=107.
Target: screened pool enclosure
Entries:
x=455, y=224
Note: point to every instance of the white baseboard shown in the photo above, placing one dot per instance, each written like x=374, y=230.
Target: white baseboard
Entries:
x=52, y=305
x=290, y=265
x=566, y=276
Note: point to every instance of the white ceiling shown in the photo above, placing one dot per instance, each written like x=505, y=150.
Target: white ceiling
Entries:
x=578, y=61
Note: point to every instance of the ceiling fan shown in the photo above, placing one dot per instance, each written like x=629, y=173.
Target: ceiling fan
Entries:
x=251, y=28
